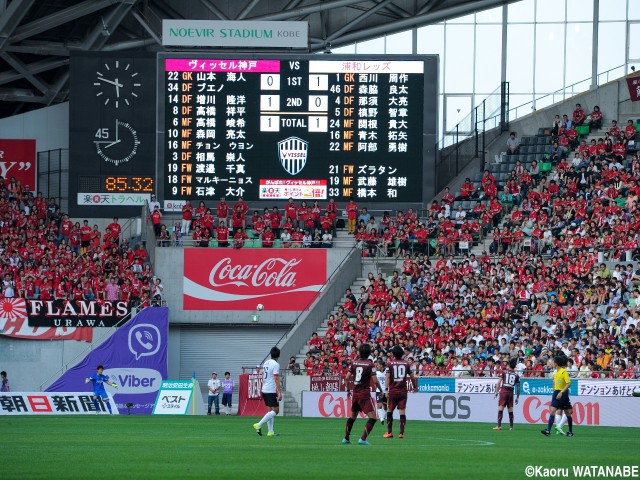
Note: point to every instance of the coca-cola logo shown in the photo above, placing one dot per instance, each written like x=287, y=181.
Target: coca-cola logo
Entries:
x=279, y=279
x=272, y=272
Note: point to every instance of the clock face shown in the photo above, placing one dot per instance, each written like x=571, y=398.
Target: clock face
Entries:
x=117, y=145
x=116, y=83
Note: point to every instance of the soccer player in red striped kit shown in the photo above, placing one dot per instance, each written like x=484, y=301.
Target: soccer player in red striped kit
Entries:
x=362, y=373
x=398, y=370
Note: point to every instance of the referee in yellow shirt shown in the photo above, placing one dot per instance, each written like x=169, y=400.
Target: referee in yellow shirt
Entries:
x=560, y=399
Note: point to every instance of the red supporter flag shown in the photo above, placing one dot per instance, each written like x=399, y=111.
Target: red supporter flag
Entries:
x=14, y=323
x=18, y=160
x=634, y=87
x=280, y=279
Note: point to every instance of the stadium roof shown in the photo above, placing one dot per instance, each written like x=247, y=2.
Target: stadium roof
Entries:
x=36, y=36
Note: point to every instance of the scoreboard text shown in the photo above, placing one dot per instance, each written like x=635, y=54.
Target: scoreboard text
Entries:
x=305, y=127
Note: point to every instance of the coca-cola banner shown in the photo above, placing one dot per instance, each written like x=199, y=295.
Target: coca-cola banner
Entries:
x=227, y=279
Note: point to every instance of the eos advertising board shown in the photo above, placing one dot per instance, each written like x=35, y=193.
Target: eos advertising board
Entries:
x=225, y=279
x=446, y=407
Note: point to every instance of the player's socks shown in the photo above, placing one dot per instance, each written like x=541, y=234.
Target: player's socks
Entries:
x=500, y=414
x=550, y=423
x=269, y=415
x=563, y=420
x=270, y=425
x=570, y=423
x=95, y=404
x=511, y=419
x=389, y=422
x=109, y=407
x=403, y=421
x=382, y=415
x=347, y=433
x=367, y=429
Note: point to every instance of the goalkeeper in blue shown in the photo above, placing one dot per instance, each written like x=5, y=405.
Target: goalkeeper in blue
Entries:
x=99, y=380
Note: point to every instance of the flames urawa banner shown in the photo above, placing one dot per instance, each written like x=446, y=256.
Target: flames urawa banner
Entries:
x=225, y=279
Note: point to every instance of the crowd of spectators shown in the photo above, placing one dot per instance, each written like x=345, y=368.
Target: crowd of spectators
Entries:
x=556, y=276
x=47, y=256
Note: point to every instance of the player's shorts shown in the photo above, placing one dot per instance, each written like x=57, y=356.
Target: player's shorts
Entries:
x=397, y=401
x=270, y=399
x=101, y=393
x=226, y=399
x=381, y=397
x=563, y=403
x=506, y=398
x=363, y=404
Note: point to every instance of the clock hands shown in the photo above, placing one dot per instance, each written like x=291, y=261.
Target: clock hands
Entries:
x=115, y=83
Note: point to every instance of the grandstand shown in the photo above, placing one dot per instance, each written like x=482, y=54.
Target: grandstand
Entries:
x=516, y=246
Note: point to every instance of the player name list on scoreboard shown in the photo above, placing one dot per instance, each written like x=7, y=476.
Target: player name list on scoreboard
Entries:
x=307, y=129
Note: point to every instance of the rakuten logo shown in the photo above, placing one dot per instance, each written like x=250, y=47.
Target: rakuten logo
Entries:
x=271, y=272
x=535, y=411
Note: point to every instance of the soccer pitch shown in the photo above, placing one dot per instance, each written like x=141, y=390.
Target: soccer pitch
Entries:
x=132, y=447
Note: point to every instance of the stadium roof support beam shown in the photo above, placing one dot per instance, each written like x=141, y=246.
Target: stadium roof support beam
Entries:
x=59, y=18
x=167, y=9
x=41, y=48
x=396, y=10
x=417, y=21
x=306, y=10
x=213, y=9
x=11, y=18
x=128, y=44
x=101, y=32
x=358, y=19
x=35, y=67
x=24, y=70
x=19, y=95
x=146, y=26
x=247, y=9
x=428, y=7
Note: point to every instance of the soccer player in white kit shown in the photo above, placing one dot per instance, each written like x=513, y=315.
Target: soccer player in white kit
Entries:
x=381, y=398
x=271, y=392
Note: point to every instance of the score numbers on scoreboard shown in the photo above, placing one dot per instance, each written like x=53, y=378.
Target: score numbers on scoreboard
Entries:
x=304, y=128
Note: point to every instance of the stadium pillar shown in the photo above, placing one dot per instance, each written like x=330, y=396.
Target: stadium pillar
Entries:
x=594, y=46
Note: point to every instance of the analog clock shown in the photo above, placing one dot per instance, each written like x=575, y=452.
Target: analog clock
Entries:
x=116, y=83
x=118, y=145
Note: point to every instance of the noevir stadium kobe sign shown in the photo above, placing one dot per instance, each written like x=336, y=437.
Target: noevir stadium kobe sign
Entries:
x=223, y=33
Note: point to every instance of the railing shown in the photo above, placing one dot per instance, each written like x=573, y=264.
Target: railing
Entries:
x=566, y=92
x=318, y=294
x=458, y=147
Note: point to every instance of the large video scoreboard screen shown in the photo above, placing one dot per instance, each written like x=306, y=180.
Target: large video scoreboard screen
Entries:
x=309, y=127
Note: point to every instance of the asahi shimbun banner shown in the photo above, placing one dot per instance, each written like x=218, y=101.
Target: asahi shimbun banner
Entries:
x=280, y=279
x=533, y=409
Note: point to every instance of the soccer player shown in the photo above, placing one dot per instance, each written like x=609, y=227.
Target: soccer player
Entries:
x=396, y=379
x=381, y=397
x=508, y=380
x=361, y=371
x=271, y=392
x=560, y=399
x=99, y=380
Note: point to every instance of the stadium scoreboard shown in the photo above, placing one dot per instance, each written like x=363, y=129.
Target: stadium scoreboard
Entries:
x=202, y=126
x=309, y=127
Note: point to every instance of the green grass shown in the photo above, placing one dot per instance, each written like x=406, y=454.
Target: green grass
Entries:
x=132, y=447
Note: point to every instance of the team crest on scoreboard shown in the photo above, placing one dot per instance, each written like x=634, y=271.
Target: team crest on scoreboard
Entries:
x=292, y=153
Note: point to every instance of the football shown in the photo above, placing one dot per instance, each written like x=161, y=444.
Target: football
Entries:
x=260, y=307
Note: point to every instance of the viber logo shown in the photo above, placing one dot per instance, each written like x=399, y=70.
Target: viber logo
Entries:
x=144, y=340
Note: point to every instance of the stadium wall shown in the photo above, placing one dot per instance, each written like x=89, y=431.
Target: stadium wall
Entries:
x=49, y=126
x=29, y=363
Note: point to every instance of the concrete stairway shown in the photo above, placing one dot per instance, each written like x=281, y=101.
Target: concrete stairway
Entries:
x=291, y=407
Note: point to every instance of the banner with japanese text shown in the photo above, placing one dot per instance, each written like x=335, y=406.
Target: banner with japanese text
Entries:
x=46, y=403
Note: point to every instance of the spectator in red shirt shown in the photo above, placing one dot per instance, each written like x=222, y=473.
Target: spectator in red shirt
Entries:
x=578, y=115
x=187, y=217
x=223, y=209
x=595, y=118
